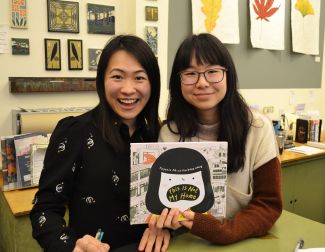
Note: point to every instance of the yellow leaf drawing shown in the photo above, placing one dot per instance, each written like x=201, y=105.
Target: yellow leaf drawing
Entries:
x=305, y=7
x=211, y=9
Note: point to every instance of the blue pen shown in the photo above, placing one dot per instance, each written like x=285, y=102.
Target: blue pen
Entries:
x=99, y=234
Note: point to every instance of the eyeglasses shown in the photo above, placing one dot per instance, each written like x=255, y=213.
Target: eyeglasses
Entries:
x=214, y=75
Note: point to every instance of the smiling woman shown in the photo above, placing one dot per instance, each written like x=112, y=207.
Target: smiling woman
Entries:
x=87, y=163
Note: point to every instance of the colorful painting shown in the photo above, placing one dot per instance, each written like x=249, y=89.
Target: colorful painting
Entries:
x=151, y=13
x=305, y=21
x=101, y=19
x=52, y=54
x=267, y=24
x=152, y=38
x=18, y=14
x=20, y=46
x=218, y=17
x=63, y=16
x=75, y=60
x=93, y=58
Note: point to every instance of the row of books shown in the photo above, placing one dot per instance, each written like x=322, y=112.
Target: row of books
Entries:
x=22, y=159
x=308, y=130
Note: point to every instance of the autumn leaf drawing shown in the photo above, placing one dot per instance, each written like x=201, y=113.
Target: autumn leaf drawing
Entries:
x=211, y=9
x=304, y=7
x=263, y=9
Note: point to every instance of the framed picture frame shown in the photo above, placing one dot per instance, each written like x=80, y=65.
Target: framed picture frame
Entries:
x=52, y=54
x=18, y=14
x=75, y=58
x=63, y=16
x=20, y=46
x=151, y=34
x=100, y=19
x=151, y=13
x=93, y=58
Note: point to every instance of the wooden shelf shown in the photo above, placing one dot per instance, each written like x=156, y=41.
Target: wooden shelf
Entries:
x=51, y=84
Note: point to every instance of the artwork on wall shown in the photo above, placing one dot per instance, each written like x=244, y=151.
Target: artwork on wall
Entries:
x=267, y=24
x=305, y=22
x=151, y=13
x=52, y=54
x=101, y=19
x=63, y=16
x=18, y=14
x=75, y=60
x=152, y=38
x=20, y=46
x=93, y=58
x=220, y=18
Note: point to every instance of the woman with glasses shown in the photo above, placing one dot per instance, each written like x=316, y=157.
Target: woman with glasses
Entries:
x=205, y=105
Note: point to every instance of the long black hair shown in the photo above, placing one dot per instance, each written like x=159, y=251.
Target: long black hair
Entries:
x=234, y=114
x=107, y=120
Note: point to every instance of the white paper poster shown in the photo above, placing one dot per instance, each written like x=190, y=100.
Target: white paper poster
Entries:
x=305, y=15
x=267, y=24
x=4, y=39
x=218, y=17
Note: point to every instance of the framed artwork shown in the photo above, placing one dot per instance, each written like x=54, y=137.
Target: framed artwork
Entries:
x=101, y=19
x=20, y=46
x=63, y=16
x=75, y=60
x=52, y=54
x=151, y=33
x=18, y=14
x=93, y=58
x=151, y=13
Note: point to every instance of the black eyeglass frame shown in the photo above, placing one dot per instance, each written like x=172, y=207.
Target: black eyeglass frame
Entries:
x=199, y=75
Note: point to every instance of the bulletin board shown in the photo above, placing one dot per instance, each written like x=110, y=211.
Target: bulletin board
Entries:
x=256, y=68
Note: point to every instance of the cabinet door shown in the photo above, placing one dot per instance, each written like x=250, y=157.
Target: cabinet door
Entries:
x=310, y=190
x=288, y=182
x=304, y=188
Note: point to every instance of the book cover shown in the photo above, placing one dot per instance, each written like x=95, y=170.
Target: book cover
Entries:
x=23, y=147
x=37, y=156
x=11, y=163
x=302, y=132
x=185, y=175
x=5, y=182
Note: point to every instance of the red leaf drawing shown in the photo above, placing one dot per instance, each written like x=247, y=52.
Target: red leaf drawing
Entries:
x=263, y=9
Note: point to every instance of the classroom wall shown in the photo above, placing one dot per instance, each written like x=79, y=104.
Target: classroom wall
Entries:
x=129, y=20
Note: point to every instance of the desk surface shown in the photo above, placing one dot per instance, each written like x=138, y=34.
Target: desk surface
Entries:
x=282, y=237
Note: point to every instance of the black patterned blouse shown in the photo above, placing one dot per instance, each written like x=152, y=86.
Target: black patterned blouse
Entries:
x=82, y=173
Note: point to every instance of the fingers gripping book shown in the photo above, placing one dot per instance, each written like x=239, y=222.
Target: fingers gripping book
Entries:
x=184, y=175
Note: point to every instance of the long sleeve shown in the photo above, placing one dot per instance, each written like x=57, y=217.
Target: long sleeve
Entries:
x=253, y=220
x=47, y=215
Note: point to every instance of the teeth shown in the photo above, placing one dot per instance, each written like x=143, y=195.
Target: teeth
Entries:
x=128, y=101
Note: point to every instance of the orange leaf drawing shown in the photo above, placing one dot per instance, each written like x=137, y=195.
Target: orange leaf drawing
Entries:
x=211, y=9
x=263, y=9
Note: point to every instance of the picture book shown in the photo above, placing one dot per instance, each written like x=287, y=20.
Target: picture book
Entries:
x=37, y=156
x=184, y=175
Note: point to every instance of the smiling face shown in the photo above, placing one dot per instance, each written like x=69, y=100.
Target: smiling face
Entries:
x=205, y=96
x=127, y=86
x=182, y=191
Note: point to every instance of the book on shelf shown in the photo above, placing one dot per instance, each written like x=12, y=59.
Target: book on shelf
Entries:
x=23, y=150
x=186, y=175
x=308, y=130
x=37, y=156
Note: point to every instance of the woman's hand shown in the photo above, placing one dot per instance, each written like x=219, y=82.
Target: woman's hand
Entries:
x=165, y=220
x=155, y=238
x=188, y=223
x=90, y=244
